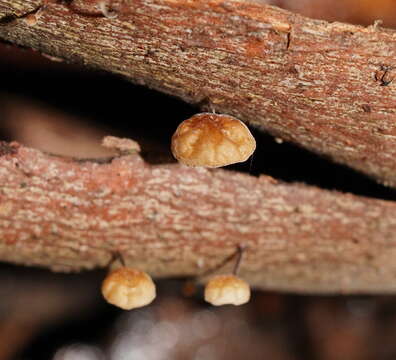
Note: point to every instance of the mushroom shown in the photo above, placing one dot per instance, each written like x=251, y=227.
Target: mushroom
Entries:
x=212, y=140
x=128, y=288
x=227, y=290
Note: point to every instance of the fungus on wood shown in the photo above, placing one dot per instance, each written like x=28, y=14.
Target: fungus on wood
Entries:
x=212, y=140
x=227, y=290
x=302, y=80
x=316, y=84
x=128, y=288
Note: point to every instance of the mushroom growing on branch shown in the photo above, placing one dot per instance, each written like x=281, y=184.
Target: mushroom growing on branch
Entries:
x=227, y=290
x=128, y=288
x=212, y=140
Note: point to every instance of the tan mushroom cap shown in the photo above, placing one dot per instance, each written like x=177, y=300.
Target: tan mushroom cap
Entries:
x=212, y=140
x=227, y=290
x=128, y=288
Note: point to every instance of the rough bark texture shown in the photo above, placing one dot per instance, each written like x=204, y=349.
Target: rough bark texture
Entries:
x=327, y=87
x=171, y=220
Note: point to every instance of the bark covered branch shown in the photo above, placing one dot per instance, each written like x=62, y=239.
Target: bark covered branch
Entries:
x=327, y=87
x=172, y=220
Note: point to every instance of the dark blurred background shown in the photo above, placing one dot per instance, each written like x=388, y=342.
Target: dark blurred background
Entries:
x=66, y=109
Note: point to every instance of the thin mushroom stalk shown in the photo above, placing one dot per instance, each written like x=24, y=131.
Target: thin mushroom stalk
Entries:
x=228, y=289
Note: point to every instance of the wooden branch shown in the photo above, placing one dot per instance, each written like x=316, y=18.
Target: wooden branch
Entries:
x=171, y=220
x=327, y=87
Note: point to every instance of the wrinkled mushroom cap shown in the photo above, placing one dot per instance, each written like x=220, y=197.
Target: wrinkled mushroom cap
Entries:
x=128, y=288
x=212, y=140
x=227, y=290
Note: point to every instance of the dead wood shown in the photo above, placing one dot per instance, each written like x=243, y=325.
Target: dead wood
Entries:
x=325, y=86
x=171, y=220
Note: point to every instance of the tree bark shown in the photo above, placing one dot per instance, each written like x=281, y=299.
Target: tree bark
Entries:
x=172, y=220
x=325, y=86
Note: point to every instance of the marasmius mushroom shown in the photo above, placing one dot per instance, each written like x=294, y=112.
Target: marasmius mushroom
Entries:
x=228, y=289
x=128, y=288
x=212, y=140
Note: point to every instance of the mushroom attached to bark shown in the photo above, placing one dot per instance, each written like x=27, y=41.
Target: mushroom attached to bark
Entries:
x=128, y=288
x=227, y=290
x=212, y=140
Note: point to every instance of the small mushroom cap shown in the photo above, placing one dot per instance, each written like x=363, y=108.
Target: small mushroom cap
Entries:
x=212, y=140
x=227, y=290
x=128, y=288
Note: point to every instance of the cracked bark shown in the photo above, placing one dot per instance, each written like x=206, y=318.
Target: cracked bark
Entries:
x=316, y=84
x=326, y=87
x=172, y=220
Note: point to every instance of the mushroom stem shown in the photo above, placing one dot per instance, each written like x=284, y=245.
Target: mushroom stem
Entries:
x=120, y=258
x=239, y=254
x=218, y=266
x=116, y=256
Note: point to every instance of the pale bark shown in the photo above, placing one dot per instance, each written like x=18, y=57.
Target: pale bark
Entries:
x=327, y=87
x=171, y=220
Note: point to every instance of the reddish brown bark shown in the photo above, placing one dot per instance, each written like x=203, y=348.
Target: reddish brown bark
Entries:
x=327, y=87
x=352, y=11
x=172, y=220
